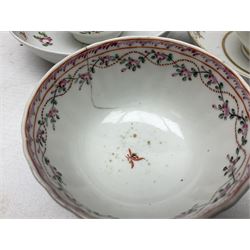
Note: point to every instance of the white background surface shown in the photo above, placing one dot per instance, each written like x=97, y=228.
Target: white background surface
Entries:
x=21, y=196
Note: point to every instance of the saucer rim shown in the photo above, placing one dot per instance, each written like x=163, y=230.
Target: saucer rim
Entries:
x=239, y=71
x=60, y=53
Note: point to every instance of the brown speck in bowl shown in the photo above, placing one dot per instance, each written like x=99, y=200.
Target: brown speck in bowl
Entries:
x=113, y=153
x=181, y=179
x=148, y=142
x=110, y=160
x=134, y=135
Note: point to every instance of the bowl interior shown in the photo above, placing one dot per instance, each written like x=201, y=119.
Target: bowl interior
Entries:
x=140, y=128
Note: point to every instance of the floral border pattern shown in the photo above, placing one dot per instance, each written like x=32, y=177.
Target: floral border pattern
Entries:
x=132, y=61
x=44, y=39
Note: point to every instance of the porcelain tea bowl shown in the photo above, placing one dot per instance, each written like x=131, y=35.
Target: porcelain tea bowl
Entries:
x=140, y=127
x=89, y=37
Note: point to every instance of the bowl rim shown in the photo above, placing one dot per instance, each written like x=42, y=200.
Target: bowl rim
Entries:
x=80, y=213
x=30, y=45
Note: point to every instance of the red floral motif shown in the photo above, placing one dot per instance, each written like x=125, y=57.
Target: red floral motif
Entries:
x=131, y=157
x=62, y=84
x=86, y=77
x=224, y=108
x=212, y=79
x=106, y=59
x=160, y=56
x=53, y=112
x=244, y=129
x=44, y=39
x=130, y=63
x=182, y=71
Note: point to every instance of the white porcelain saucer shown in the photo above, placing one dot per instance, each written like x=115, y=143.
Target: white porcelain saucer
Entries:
x=226, y=46
x=53, y=46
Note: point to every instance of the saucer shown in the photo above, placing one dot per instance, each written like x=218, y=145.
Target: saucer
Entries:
x=226, y=46
x=53, y=46
x=245, y=51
